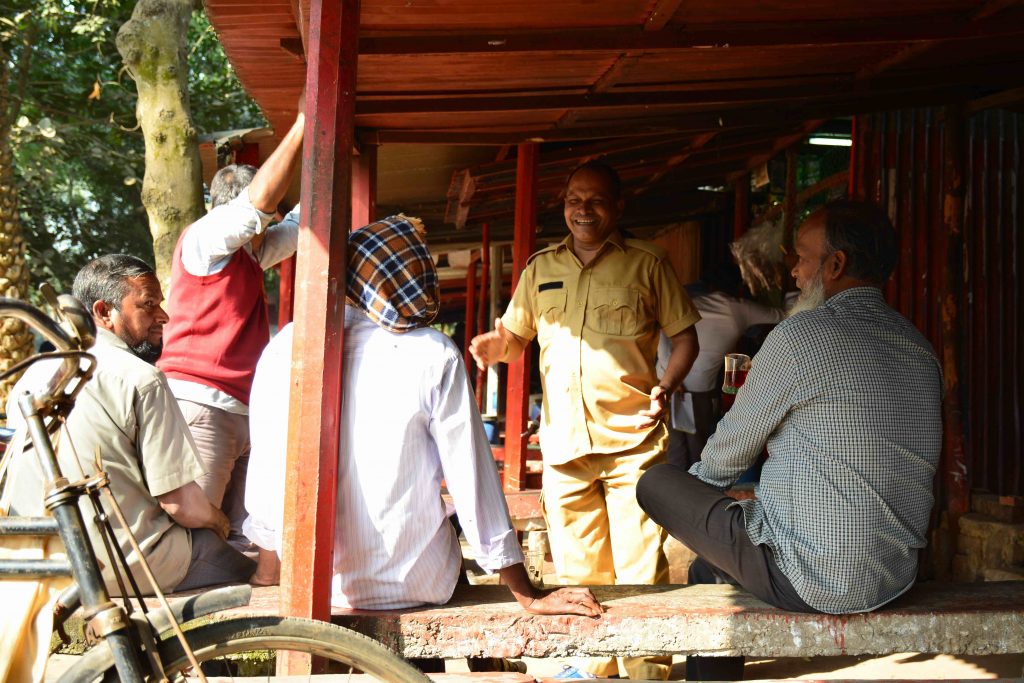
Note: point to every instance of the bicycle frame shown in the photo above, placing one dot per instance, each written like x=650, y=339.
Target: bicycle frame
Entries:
x=105, y=618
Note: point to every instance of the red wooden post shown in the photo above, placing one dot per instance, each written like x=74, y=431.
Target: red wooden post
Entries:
x=741, y=206
x=470, y=312
x=364, y=187
x=518, y=393
x=955, y=467
x=286, y=292
x=315, y=403
x=482, y=319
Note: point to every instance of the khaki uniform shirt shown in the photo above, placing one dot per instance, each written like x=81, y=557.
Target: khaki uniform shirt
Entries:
x=128, y=412
x=598, y=327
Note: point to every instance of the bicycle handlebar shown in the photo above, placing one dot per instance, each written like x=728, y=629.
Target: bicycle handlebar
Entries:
x=81, y=335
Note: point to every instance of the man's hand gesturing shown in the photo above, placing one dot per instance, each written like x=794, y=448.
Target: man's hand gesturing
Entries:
x=490, y=347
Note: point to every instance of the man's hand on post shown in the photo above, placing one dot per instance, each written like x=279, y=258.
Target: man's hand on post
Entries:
x=569, y=600
x=490, y=347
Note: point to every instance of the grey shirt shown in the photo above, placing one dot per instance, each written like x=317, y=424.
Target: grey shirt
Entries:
x=128, y=412
x=847, y=398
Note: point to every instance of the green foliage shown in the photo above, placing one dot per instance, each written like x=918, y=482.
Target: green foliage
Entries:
x=78, y=150
x=218, y=100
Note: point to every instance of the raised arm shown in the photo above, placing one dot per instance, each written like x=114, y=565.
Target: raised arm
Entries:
x=271, y=181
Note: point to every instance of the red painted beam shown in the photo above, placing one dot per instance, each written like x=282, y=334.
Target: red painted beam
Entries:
x=471, y=325
x=315, y=403
x=518, y=392
x=482, y=313
x=364, y=187
x=286, y=292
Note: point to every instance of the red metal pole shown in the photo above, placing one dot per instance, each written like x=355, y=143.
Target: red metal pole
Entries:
x=741, y=206
x=315, y=402
x=482, y=322
x=286, y=292
x=470, y=312
x=364, y=187
x=518, y=393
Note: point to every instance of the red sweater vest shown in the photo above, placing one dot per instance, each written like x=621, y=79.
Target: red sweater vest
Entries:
x=218, y=325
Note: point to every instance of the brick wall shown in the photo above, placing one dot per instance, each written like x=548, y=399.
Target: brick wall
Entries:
x=991, y=542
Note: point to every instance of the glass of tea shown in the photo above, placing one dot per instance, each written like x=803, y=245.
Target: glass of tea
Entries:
x=736, y=367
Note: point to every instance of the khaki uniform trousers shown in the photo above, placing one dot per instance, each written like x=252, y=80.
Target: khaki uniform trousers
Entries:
x=599, y=536
x=222, y=440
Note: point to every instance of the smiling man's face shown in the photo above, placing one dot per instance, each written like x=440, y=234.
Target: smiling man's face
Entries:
x=591, y=210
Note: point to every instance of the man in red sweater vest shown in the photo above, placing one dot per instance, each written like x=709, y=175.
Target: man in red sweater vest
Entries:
x=218, y=314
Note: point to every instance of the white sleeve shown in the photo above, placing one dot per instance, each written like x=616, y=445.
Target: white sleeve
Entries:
x=470, y=472
x=281, y=240
x=211, y=241
x=268, y=432
x=756, y=314
x=664, y=351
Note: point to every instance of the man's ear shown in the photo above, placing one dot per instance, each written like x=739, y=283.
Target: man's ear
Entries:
x=103, y=314
x=837, y=268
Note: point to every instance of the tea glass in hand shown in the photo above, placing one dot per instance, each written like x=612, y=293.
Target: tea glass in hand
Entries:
x=736, y=367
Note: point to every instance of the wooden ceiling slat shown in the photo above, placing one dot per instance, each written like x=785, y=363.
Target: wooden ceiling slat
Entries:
x=661, y=14
x=698, y=99
x=715, y=11
x=701, y=88
x=626, y=39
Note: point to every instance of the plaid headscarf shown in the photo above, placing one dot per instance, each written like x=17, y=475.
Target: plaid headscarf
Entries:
x=391, y=275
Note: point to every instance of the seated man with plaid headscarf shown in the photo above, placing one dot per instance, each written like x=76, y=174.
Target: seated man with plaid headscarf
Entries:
x=409, y=420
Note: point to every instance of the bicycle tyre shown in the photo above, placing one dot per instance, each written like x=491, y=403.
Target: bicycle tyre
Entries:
x=244, y=634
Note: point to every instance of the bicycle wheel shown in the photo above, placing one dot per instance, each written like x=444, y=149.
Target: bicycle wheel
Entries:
x=246, y=647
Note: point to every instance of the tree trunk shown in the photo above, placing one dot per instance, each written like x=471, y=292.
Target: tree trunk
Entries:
x=15, y=339
x=153, y=45
x=16, y=342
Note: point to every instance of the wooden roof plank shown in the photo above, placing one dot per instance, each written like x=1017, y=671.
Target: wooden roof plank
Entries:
x=630, y=39
x=661, y=14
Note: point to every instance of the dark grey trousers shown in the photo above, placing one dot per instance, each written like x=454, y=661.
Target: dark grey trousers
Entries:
x=213, y=562
x=699, y=516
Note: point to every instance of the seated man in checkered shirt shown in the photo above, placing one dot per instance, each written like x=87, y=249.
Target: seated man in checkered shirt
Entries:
x=846, y=395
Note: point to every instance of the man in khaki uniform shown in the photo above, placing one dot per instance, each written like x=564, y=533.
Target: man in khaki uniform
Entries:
x=127, y=413
x=597, y=303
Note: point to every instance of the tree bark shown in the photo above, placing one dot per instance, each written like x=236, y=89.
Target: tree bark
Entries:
x=153, y=45
x=15, y=339
x=16, y=342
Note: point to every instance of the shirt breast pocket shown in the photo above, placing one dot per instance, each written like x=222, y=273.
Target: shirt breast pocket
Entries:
x=550, y=309
x=614, y=311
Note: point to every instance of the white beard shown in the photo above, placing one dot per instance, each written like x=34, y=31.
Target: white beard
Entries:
x=812, y=295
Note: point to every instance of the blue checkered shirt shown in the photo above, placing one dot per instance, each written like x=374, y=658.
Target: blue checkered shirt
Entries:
x=847, y=398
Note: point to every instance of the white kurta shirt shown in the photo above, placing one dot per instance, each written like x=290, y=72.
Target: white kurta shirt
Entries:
x=409, y=421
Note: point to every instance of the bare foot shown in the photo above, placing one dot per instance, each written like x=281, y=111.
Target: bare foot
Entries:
x=268, y=569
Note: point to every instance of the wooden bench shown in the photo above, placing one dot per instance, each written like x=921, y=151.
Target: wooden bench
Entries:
x=955, y=619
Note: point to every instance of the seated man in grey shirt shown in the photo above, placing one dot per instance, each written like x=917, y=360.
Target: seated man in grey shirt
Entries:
x=127, y=413
x=846, y=394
